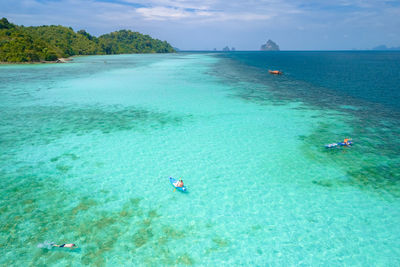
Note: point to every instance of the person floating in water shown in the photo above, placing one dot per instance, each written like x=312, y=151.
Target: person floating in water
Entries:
x=72, y=246
x=179, y=183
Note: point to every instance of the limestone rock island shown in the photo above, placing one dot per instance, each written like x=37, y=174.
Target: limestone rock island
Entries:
x=270, y=46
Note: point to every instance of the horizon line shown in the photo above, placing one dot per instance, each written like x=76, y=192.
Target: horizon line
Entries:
x=294, y=50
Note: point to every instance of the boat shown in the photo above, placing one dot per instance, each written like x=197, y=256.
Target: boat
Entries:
x=278, y=72
x=173, y=181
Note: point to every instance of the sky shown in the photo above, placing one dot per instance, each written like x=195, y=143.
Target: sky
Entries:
x=209, y=24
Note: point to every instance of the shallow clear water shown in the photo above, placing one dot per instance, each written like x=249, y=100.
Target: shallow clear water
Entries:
x=87, y=149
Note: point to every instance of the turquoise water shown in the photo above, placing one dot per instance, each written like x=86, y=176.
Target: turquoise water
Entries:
x=87, y=149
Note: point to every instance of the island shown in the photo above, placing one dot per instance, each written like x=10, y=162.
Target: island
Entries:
x=19, y=44
x=384, y=47
x=270, y=46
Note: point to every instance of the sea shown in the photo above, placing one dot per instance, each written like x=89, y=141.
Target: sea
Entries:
x=87, y=149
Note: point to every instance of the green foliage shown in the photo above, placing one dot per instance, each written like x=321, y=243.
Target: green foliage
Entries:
x=126, y=42
x=4, y=24
x=47, y=43
x=17, y=46
x=87, y=35
x=64, y=41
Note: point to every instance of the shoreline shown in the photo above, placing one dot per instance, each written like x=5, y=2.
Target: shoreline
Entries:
x=71, y=58
x=59, y=60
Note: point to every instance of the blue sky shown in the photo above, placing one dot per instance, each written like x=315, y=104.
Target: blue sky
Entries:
x=208, y=24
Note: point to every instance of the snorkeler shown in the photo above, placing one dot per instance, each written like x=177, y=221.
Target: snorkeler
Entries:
x=72, y=246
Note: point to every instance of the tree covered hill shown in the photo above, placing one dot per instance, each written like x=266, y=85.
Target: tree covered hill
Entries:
x=47, y=43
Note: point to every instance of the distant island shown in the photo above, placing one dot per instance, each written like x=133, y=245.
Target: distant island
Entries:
x=49, y=43
x=270, y=46
x=384, y=47
x=226, y=48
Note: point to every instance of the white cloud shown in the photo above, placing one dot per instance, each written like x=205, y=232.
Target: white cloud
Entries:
x=168, y=13
x=208, y=20
x=199, y=5
x=211, y=11
x=184, y=11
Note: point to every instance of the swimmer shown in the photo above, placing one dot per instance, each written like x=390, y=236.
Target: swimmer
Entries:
x=72, y=246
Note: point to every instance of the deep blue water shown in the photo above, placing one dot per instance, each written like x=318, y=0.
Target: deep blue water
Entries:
x=363, y=87
x=372, y=76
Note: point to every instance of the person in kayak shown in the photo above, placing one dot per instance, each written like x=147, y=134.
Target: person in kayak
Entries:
x=347, y=141
x=179, y=183
x=65, y=246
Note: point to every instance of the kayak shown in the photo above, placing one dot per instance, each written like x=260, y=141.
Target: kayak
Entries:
x=344, y=144
x=338, y=144
x=331, y=145
x=173, y=181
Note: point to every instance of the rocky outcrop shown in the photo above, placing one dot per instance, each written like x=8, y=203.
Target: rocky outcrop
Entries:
x=63, y=60
x=270, y=46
